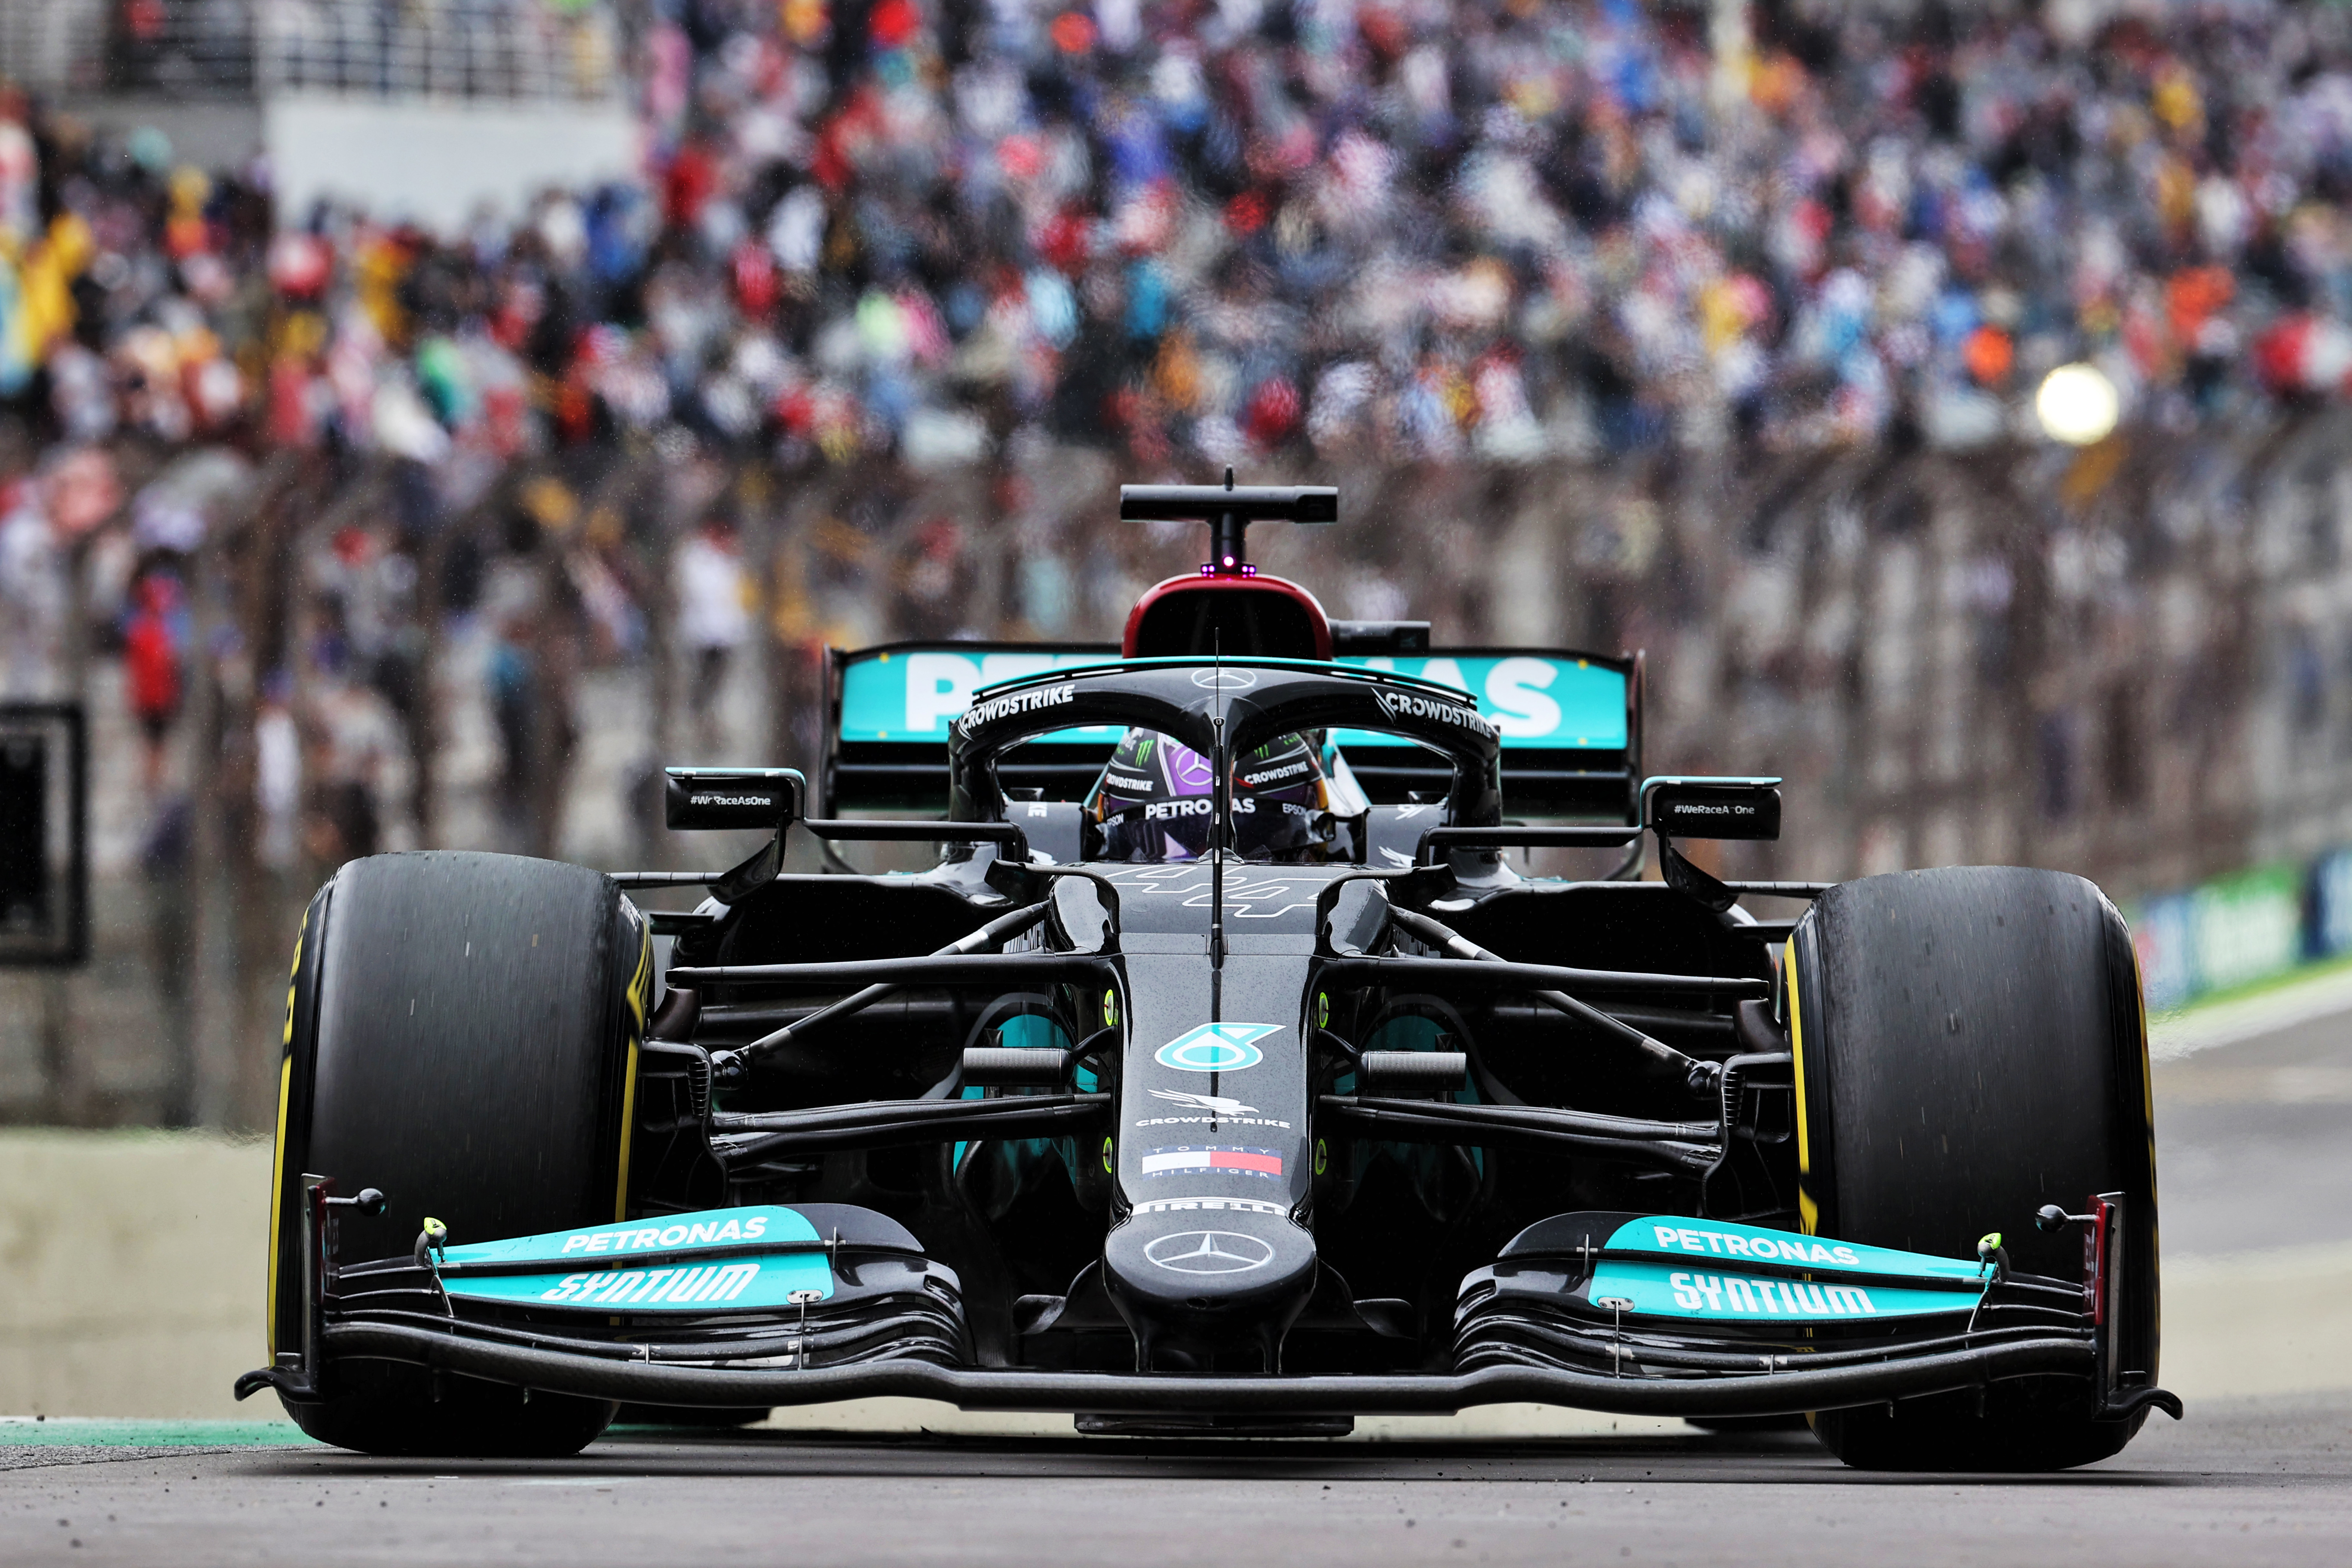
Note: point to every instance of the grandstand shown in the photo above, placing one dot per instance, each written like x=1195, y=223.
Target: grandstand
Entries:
x=423, y=111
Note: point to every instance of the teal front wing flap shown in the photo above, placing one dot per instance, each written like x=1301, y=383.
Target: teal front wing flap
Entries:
x=1538, y=700
x=681, y=1263
x=1707, y=1270
x=1662, y=1291
x=1713, y=1241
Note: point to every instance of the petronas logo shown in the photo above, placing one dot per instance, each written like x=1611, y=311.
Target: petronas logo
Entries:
x=1215, y=1048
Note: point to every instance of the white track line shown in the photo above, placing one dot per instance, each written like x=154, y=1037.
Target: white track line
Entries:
x=2228, y=1022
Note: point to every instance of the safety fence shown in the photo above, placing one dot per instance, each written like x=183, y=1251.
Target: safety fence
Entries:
x=500, y=50
x=520, y=49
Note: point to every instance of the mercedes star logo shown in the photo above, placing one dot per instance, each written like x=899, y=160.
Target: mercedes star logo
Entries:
x=1208, y=1252
x=1224, y=680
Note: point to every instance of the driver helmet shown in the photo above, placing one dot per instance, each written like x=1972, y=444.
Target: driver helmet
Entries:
x=1157, y=798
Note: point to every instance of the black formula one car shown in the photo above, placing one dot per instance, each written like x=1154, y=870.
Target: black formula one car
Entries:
x=1222, y=1075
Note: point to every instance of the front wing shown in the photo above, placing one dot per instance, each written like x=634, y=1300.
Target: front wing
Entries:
x=812, y=1303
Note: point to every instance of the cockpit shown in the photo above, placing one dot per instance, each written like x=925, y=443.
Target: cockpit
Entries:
x=1292, y=801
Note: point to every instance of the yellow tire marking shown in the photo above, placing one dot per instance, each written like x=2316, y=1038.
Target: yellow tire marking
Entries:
x=277, y=1194
x=640, y=997
x=1809, y=1213
x=2147, y=1109
x=278, y=1151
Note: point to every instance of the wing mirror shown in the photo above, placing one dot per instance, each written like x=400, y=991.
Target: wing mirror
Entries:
x=696, y=800
x=1687, y=807
x=1354, y=916
x=1081, y=917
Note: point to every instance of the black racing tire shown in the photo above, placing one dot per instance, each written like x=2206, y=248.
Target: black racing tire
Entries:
x=461, y=1034
x=1970, y=1045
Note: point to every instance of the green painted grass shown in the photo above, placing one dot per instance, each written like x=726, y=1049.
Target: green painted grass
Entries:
x=20, y=1431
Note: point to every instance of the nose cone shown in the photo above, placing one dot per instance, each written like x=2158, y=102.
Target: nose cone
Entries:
x=1207, y=1282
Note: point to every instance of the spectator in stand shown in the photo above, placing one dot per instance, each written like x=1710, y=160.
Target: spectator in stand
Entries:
x=714, y=595
x=276, y=772
x=151, y=667
x=513, y=693
x=350, y=746
x=32, y=591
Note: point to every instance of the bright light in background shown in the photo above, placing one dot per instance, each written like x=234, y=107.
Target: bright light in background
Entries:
x=2077, y=405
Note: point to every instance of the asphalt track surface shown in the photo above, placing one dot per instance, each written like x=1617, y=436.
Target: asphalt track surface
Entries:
x=2255, y=1147
x=2244, y=1484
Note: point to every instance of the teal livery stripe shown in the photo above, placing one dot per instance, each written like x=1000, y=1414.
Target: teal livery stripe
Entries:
x=1654, y=1289
x=732, y=1285
x=1700, y=1243
x=1669, y=1267
x=652, y=1265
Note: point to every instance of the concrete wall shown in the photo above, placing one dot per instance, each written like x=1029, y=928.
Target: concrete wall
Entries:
x=132, y=1270
x=211, y=135
x=435, y=162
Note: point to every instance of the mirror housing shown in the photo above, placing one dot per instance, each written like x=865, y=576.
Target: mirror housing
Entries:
x=1354, y=916
x=1683, y=806
x=699, y=800
x=1081, y=917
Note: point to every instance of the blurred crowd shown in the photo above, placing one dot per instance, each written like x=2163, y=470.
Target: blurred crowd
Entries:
x=1417, y=230
x=1257, y=232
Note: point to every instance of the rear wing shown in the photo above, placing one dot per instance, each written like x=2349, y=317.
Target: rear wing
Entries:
x=1572, y=726
x=888, y=710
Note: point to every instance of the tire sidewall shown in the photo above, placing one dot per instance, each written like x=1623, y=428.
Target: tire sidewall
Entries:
x=2024, y=1427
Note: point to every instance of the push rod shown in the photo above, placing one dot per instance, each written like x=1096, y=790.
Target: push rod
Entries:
x=1702, y=1076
